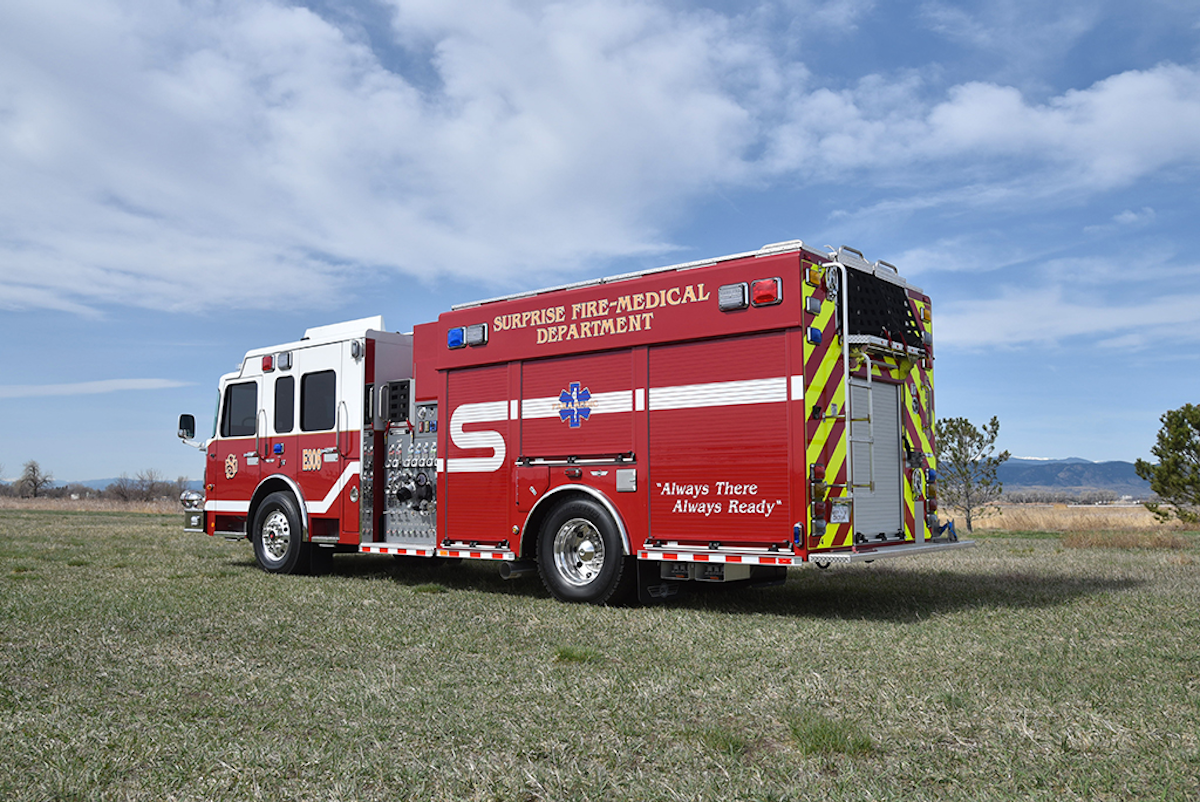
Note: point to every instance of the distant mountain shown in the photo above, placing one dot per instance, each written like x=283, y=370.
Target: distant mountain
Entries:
x=1072, y=475
x=1045, y=461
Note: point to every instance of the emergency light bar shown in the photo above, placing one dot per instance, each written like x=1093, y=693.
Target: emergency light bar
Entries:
x=760, y=292
x=733, y=296
x=766, y=291
x=460, y=336
x=477, y=334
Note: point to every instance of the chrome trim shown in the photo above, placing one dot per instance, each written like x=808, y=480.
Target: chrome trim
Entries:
x=766, y=250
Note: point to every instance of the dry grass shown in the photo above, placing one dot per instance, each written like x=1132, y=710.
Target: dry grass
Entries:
x=159, y=507
x=1067, y=518
x=1125, y=540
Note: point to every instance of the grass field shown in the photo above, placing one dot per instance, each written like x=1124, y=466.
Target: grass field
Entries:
x=1070, y=518
x=142, y=663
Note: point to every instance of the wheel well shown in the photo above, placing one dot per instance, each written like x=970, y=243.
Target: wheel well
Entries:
x=533, y=524
x=275, y=484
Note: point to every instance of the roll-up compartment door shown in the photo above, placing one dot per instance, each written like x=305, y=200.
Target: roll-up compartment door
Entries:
x=718, y=441
x=880, y=510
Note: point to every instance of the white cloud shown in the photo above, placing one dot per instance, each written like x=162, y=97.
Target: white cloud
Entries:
x=88, y=388
x=251, y=154
x=1047, y=316
x=1093, y=139
x=836, y=16
x=1024, y=35
x=1130, y=217
x=958, y=254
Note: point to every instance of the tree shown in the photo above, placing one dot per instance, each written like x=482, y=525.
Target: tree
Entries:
x=1176, y=477
x=148, y=485
x=33, y=480
x=151, y=484
x=122, y=489
x=967, y=467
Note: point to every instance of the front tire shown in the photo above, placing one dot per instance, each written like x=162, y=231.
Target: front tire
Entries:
x=279, y=546
x=581, y=557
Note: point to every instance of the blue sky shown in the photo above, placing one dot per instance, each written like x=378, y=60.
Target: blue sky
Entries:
x=182, y=181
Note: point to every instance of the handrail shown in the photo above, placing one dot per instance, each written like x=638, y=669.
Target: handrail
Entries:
x=870, y=420
x=338, y=429
x=848, y=407
x=262, y=415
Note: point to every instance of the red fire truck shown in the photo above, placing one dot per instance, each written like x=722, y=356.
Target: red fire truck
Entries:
x=713, y=421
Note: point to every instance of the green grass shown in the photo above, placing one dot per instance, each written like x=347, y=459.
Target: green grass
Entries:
x=816, y=733
x=137, y=662
x=572, y=654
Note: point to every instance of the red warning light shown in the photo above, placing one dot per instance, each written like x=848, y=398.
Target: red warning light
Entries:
x=268, y=363
x=765, y=291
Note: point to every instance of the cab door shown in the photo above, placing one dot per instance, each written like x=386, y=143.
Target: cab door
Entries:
x=327, y=422
x=235, y=455
x=281, y=392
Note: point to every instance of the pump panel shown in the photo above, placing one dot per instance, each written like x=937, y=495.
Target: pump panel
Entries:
x=410, y=471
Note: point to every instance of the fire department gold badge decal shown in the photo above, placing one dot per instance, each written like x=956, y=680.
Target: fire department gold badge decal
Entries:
x=231, y=466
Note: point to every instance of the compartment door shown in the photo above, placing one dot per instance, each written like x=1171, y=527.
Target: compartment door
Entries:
x=876, y=456
x=478, y=459
x=719, y=441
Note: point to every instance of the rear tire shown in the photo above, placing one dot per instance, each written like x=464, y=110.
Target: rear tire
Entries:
x=581, y=557
x=278, y=538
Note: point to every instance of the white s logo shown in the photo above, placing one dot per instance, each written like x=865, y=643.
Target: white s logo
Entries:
x=486, y=438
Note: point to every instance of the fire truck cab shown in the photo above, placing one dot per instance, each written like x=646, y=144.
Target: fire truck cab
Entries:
x=284, y=459
x=713, y=421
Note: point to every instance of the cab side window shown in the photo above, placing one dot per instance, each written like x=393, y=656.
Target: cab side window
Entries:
x=318, y=401
x=240, y=410
x=285, y=404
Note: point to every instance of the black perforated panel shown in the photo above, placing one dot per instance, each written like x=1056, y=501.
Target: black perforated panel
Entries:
x=880, y=308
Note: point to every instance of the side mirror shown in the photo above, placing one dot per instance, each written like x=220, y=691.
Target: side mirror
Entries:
x=187, y=427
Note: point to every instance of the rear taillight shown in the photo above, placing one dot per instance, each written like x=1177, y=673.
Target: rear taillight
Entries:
x=765, y=291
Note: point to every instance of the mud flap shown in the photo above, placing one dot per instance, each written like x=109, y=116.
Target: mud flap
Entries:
x=320, y=560
x=652, y=588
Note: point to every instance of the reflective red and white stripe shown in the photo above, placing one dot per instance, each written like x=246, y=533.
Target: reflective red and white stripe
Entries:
x=468, y=554
x=717, y=557
x=386, y=548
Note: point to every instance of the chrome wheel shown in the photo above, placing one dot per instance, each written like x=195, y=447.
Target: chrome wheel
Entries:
x=276, y=536
x=581, y=555
x=578, y=552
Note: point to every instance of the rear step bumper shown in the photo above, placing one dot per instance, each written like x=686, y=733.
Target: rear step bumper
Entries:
x=862, y=555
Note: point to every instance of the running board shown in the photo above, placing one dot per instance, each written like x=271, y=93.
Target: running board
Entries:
x=884, y=552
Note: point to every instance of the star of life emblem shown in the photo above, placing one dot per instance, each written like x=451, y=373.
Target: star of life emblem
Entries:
x=574, y=403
